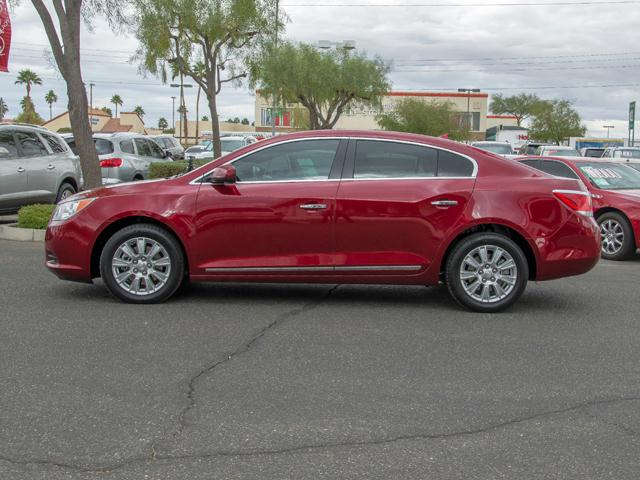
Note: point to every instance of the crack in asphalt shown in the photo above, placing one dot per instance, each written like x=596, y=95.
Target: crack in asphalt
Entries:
x=319, y=446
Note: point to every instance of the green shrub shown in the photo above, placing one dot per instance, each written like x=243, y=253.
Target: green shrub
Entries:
x=35, y=216
x=169, y=169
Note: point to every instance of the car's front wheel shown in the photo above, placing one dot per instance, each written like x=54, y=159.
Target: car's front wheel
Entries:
x=486, y=272
x=64, y=192
x=617, y=238
x=142, y=263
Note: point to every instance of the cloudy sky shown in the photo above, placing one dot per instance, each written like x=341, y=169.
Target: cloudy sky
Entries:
x=589, y=54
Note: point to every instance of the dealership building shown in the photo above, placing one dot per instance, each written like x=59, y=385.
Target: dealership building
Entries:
x=290, y=117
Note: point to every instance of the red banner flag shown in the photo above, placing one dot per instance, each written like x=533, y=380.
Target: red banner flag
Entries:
x=5, y=36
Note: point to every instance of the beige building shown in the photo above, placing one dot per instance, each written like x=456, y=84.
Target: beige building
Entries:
x=101, y=122
x=501, y=121
x=288, y=118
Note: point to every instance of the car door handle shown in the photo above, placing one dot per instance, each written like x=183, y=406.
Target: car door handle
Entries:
x=20, y=169
x=444, y=203
x=313, y=206
x=50, y=167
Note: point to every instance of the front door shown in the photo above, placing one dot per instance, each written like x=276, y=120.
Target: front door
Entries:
x=41, y=175
x=13, y=174
x=277, y=218
x=398, y=205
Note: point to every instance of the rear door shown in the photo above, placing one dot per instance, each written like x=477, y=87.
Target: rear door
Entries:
x=13, y=174
x=277, y=219
x=396, y=204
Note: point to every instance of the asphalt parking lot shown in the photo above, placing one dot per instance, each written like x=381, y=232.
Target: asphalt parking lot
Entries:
x=299, y=381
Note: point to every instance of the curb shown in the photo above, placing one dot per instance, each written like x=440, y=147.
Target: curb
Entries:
x=11, y=232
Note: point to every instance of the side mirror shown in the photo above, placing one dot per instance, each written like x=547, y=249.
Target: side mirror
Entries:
x=4, y=152
x=222, y=175
x=167, y=154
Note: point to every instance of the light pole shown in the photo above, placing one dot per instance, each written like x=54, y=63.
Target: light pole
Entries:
x=182, y=86
x=173, y=114
x=343, y=45
x=468, y=91
x=91, y=85
x=608, y=127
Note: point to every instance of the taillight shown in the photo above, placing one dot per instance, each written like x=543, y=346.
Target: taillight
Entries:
x=111, y=162
x=576, y=200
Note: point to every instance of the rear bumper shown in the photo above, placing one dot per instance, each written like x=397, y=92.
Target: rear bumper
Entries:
x=573, y=249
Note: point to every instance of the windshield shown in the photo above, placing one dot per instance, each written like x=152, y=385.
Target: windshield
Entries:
x=628, y=153
x=495, y=148
x=561, y=152
x=611, y=176
x=229, y=145
x=635, y=166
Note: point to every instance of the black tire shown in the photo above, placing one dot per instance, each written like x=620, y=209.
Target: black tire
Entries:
x=176, y=262
x=628, y=248
x=485, y=278
x=65, y=190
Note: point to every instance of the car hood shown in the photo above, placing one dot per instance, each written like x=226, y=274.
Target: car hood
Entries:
x=130, y=188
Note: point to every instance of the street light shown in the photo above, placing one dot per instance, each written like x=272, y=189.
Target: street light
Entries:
x=343, y=45
x=608, y=127
x=173, y=114
x=469, y=91
x=91, y=85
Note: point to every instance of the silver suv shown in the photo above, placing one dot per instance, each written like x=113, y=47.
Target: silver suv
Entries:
x=36, y=166
x=125, y=157
x=171, y=145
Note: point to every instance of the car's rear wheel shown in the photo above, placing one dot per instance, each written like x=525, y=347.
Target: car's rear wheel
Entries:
x=142, y=263
x=486, y=272
x=618, y=242
x=64, y=192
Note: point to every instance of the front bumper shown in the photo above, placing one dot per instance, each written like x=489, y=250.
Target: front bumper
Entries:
x=68, y=251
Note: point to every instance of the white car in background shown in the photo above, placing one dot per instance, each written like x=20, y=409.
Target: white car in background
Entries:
x=499, y=148
x=556, y=151
x=229, y=144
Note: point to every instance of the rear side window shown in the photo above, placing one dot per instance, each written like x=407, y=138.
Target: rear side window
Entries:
x=103, y=147
x=53, y=142
x=126, y=146
x=394, y=160
x=557, y=169
x=453, y=165
x=30, y=144
x=9, y=144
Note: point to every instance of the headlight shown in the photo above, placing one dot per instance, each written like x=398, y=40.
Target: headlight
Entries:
x=67, y=210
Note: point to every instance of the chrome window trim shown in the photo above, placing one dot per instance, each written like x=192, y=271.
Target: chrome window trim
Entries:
x=339, y=268
x=474, y=174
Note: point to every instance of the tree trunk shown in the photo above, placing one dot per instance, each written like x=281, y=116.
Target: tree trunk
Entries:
x=215, y=124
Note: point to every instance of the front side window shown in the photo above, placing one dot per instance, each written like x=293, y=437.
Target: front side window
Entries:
x=143, y=147
x=304, y=160
x=8, y=148
x=53, y=143
x=30, y=144
x=611, y=176
x=156, y=151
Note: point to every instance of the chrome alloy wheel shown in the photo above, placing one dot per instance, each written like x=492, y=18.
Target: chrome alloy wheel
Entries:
x=488, y=273
x=612, y=236
x=141, y=266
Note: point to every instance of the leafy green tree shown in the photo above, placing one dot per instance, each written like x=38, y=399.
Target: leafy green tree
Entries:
x=62, y=21
x=3, y=108
x=51, y=98
x=117, y=101
x=236, y=120
x=245, y=121
x=162, y=123
x=28, y=113
x=205, y=118
x=428, y=118
x=556, y=121
x=107, y=110
x=28, y=78
x=521, y=106
x=221, y=34
x=326, y=83
x=139, y=111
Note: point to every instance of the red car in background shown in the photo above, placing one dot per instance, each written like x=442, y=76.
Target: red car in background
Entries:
x=615, y=189
x=333, y=207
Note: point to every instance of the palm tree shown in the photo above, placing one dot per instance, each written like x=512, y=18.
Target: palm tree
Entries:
x=3, y=108
x=28, y=77
x=139, y=110
x=200, y=71
x=51, y=98
x=116, y=100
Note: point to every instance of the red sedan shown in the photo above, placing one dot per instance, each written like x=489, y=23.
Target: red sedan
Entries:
x=333, y=207
x=615, y=189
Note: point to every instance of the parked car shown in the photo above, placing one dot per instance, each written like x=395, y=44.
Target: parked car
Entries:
x=622, y=152
x=228, y=144
x=36, y=166
x=591, y=152
x=615, y=189
x=333, y=207
x=124, y=157
x=170, y=144
x=556, y=151
x=530, y=148
x=499, y=148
